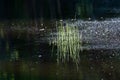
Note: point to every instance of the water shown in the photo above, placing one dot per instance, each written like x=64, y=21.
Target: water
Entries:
x=26, y=53
x=99, y=34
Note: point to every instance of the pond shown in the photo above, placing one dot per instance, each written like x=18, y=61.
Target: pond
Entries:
x=26, y=53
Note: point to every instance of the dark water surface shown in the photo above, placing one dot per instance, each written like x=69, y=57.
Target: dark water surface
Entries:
x=25, y=54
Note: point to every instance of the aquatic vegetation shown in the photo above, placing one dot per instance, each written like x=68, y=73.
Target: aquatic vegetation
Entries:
x=68, y=42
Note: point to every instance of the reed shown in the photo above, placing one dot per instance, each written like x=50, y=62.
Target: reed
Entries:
x=68, y=42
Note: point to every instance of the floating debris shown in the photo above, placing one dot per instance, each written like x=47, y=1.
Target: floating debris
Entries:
x=42, y=29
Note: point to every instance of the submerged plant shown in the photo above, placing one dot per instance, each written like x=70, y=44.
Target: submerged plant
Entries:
x=68, y=42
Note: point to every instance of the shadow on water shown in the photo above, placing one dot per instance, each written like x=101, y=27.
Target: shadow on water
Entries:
x=26, y=55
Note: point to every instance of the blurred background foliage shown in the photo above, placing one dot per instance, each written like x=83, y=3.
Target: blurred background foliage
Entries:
x=57, y=9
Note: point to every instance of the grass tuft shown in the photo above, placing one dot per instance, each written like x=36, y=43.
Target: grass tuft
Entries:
x=68, y=43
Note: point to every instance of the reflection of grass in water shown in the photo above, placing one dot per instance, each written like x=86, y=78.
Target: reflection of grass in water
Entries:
x=1, y=33
x=7, y=76
x=14, y=55
x=68, y=42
